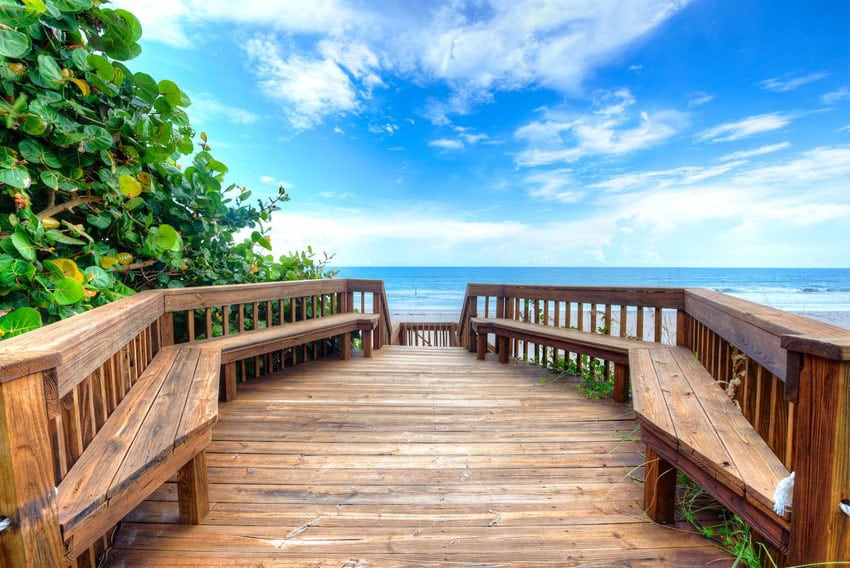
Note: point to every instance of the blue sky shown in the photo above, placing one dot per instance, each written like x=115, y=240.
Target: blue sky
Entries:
x=527, y=132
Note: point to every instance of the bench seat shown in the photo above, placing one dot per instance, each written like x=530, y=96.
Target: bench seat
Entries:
x=269, y=339
x=688, y=423
x=607, y=347
x=161, y=427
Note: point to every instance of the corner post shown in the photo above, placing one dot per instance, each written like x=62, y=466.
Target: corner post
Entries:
x=471, y=312
x=27, y=483
x=822, y=463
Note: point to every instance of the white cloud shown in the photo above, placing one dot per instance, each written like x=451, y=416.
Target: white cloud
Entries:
x=278, y=182
x=352, y=48
x=744, y=128
x=311, y=89
x=463, y=137
x=609, y=130
x=206, y=109
x=446, y=144
x=338, y=130
x=744, y=154
x=835, y=96
x=388, y=128
x=635, y=67
x=554, y=185
x=785, y=84
x=699, y=99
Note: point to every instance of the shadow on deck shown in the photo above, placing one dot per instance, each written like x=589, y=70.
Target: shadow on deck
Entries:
x=419, y=457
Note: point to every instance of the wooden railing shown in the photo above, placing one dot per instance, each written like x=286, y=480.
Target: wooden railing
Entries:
x=427, y=334
x=59, y=384
x=790, y=376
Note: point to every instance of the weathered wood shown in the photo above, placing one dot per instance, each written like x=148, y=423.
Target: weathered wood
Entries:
x=659, y=488
x=820, y=531
x=27, y=495
x=192, y=490
x=687, y=420
x=162, y=423
x=260, y=341
x=331, y=461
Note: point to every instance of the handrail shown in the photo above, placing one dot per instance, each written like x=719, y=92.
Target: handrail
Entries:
x=64, y=380
x=790, y=376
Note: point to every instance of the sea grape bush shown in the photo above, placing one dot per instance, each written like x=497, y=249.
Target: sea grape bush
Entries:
x=105, y=188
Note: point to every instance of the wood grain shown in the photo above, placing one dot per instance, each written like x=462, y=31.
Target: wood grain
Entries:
x=417, y=455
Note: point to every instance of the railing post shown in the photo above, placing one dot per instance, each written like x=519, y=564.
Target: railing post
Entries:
x=27, y=484
x=471, y=312
x=819, y=529
x=377, y=304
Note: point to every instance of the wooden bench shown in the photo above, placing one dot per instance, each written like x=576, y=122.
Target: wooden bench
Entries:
x=261, y=341
x=688, y=423
x=607, y=347
x=160, y=428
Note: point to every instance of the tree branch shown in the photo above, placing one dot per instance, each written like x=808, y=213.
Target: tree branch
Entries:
x=67, y=206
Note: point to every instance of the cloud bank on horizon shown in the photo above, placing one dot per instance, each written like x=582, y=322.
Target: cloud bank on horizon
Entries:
x=495, y=132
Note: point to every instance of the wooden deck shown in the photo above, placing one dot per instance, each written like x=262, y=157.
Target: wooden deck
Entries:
x=416, y=457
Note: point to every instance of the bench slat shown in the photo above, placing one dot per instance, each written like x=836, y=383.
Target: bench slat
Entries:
x=607, y=347
x=759, y=468
x=201, y=409
x=693, y=426
x=163, y=422
x=85, y=486
x=257, y=342
x=648, y=399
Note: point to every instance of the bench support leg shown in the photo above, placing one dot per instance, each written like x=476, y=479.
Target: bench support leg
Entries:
x=227, y=388
x=192, y=490
x=621, y=383
x=503, y=342
x=345, y=347
x=481, y=346
x=366, y=334
x=659, y=489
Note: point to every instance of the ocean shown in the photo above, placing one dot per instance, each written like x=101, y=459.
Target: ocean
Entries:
x=416, y=291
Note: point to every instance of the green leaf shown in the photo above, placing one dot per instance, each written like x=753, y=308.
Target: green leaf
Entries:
x=34, y=153
x=80, y=57
x=14, y=270
x=168, y=238
x=96, y=138
x=134, y=203
x=23, y=244
x=57, y=182
x=67, y=291
x=98, y=278
x=17, y=16
x=101, y=221
x=170, y=91
x=50, y=72
x=33, y=125
x=57, y=236
x=146, y=87
x=129, y=186
x=7, y=157
x=18, y=177
x=13, y=43
x=19, y=321
x=72, y=5
x=102, y=67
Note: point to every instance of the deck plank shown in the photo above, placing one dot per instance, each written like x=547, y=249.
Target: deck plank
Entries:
x=415, y=457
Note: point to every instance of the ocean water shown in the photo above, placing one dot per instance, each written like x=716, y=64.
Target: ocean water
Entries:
x=413, y=290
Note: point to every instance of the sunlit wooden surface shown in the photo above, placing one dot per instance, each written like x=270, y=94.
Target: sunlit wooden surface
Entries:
x=415, y=457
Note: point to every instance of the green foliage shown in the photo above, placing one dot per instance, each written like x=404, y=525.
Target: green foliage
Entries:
x=593, y=384
x=104, y=187
x=729, y=530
